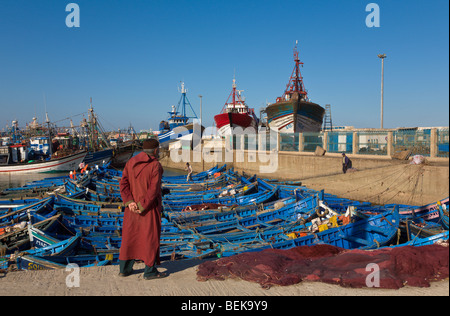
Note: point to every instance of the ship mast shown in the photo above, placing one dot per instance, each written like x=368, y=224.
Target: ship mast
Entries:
x=183, y=102
x=234, y=93
x=236, y=98
x=295, y=84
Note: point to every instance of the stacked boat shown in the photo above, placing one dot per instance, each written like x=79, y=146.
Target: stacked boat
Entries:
x=218, y=213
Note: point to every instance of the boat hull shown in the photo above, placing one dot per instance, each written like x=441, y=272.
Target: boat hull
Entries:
x=429, y=212
x=100, y=157
x=235, y=124
x=175, y=134
x=295, y=116
x=67, y=163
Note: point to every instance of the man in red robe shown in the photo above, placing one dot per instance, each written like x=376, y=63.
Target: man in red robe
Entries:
x=140, y=189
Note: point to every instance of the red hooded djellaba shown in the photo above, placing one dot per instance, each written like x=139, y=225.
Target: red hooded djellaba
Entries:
x=141, y=232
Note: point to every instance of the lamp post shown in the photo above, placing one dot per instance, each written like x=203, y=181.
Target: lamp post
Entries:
x=382, y=56
x=201, y=132
x=201, y=98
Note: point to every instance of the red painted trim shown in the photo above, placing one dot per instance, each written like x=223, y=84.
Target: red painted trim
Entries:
x=279, y=128
x=45, y=167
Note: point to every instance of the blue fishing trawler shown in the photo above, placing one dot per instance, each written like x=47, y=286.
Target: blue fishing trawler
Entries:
x=177, y=126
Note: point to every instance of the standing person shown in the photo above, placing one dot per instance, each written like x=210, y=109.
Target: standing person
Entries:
x=346, y=163
x=188, y=168
x=140, y=189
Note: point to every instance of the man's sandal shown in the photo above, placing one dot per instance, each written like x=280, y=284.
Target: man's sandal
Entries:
x=158, y=275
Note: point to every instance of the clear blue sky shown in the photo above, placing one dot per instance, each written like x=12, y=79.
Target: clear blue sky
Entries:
x=130, y=57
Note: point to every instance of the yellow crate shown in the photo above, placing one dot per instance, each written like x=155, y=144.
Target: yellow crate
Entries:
x=333, y=221
x=292, y=235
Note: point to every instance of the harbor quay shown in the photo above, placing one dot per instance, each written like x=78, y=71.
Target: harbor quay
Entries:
x=384, y=167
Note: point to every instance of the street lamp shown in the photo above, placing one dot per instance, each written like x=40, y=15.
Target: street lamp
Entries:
x=201, y=132
x=382, y=56
x=200, y=96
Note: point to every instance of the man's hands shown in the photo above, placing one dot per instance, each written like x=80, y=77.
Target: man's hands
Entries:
x=134, y=208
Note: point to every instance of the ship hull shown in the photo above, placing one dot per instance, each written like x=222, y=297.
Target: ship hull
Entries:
x=235, y=123
x=295, y=116
x=178, y=132
x=67, y=163
x=100, y=157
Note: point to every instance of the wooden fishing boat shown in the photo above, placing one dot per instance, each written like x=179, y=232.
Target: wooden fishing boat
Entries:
x=429, y=208
x=43, y=206
x=417, y=241
x=423, y=224
x=443, y=214
x=256, y=198
x=371, y=233
x=10, y=205
x=76, y=206
x=31, y=262
x=19, y=238
x=67, y=163
x=178, y=126
x=196, y=177
x=225, y=213
x=294, y=112
x=260, y=220
x=44, y=245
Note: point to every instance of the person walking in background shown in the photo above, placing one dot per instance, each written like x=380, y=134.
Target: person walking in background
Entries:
x=140, y=189
x=346, y=163
x=188, y=168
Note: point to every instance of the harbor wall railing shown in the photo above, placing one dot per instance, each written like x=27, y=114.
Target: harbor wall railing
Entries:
x=432, y=143
x=294, y=157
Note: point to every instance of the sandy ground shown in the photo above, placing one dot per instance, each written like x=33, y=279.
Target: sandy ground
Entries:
x=104, y=281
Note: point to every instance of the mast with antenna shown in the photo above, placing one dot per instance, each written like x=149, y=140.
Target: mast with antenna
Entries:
x=50, y=147
x=236, y=100
x=183, y=102
x=295, y=84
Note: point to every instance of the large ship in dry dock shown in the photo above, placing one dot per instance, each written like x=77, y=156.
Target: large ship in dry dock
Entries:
x=294, y=112
x=236, y=116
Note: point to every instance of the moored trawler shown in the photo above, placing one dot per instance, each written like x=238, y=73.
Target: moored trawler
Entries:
x=294, y=112
x=65, y=163
x=178, y=124
x=236, y=117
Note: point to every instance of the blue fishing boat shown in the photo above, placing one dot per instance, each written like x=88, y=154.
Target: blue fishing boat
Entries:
x=195, y=177
x=43, y=206
x=178, y=125
x=259, y=197
x=18, y=238
x=13, y=204
x=99, y=157
x=371, y=233
x=32, y=262
x=443, y=213
x=44, y=245
x=417, y=241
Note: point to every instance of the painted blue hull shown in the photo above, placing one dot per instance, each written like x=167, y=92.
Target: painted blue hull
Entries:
x=99, y=157
x=173, y=135
x=295, y=116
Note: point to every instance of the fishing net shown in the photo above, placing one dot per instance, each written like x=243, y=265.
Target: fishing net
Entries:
x=202, y=207
x=390, y=268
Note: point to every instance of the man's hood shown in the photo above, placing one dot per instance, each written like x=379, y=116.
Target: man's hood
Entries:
x=139, y=162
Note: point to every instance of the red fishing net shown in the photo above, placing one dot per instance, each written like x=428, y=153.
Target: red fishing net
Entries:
x=201, y=207
x=390, y=268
